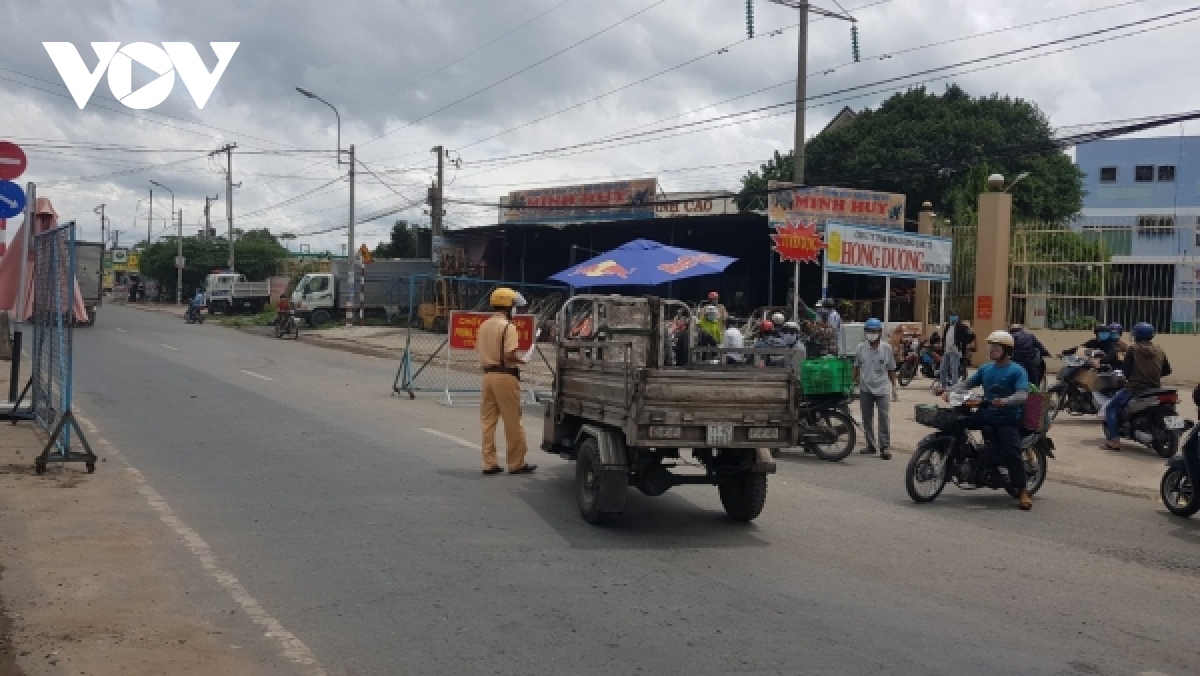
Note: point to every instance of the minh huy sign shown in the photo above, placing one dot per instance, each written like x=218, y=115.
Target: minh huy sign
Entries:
x=887, y=252
x=820, y=203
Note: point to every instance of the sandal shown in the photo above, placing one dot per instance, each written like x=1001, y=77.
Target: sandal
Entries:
x=1112, y=445
x=525, y=469
x=493, y=470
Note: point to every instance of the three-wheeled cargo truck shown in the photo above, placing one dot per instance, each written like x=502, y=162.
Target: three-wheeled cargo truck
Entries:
x=633, y=392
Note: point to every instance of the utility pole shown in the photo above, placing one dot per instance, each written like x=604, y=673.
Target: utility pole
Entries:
x=179, y=262
x=804, y=7
x=352, y=258
x=435, y=208
x=207, y=205
x=228, y=150
x=150, y=218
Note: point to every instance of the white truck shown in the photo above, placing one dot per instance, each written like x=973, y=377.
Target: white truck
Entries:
x=89, y=272
x=321, y=297
x=229, y=292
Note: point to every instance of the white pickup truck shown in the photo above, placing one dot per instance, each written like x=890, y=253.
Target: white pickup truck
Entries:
x=229, y=292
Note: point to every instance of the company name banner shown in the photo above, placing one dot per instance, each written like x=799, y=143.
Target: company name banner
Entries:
x=887, y=252
x=861, y=207
x=617, y=201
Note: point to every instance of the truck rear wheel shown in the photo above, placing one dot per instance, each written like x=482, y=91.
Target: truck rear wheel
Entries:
x=588, y=483
x=744, y=496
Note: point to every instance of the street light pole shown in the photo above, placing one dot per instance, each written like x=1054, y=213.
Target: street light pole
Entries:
x=351, y=263
x=178, y=245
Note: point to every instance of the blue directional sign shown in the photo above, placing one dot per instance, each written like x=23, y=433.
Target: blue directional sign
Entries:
x=12, y=199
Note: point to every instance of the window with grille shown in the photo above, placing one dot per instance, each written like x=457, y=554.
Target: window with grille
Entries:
x=1143, y=173
x=1155, y=226
x=1108, y=174
x=1166, y=172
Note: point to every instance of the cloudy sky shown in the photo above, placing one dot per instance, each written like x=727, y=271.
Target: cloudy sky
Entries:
x=499, y=82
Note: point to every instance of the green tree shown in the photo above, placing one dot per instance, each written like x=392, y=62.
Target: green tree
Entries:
x=402, y=244
x=257, y=255
x=938, y=149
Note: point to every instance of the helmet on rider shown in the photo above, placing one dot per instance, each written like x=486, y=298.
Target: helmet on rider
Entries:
x=1100, y=328
x=1015, y=328
x=791, y=327
x=504, y=298
x=873, y=329
x=1116, y=329
x=1143, y=331
x=778, y=318
x=766, y=326
x=710, y=313
x=1003, y=339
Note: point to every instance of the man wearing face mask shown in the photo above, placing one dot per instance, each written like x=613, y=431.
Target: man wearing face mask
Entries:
x=875, y=373
x=711, y=331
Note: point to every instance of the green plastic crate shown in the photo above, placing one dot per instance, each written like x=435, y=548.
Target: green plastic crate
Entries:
x=827, y=375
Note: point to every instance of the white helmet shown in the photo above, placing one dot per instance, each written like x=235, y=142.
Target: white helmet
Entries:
x=778, y=318
x=1003, y=338
x=791, y=325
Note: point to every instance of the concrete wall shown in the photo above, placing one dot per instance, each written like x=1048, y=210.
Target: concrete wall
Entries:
x=1182, y=350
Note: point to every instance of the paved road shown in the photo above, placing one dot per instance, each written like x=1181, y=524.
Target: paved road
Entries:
x=380, y=546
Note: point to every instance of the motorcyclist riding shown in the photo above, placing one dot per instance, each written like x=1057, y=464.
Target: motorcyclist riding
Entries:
x=769, y=337
x=1145, y=366
x=1005, y=388
x=1106, y=342
x=197, y=303
x=712, y=332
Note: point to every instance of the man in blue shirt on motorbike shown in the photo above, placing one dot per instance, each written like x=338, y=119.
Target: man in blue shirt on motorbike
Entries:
x=196, y=304
x=1005, y=389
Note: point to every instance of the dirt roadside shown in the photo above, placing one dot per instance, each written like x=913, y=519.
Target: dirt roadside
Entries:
x=93, y=582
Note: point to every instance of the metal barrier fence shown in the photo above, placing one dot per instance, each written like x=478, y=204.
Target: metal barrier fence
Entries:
x=1071, y=276
x=430, y=365
x=53, y=317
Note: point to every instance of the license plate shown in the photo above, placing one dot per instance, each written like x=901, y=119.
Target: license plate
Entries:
x=1173, y=422
x=720, y=435
x=763, y=433
x=666, y=432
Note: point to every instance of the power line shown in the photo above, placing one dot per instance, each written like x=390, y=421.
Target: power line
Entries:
x=526, y=69
x=461, y=58
x=296, y=198
x=852, y=88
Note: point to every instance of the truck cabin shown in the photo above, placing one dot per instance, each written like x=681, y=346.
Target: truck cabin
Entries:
x=312, y=284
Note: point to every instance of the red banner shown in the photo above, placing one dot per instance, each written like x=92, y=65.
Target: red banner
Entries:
x=464, y=329
x=798, y=241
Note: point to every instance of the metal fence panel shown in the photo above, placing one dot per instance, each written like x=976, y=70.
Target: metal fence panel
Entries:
x=430, y=365
x=53, y=320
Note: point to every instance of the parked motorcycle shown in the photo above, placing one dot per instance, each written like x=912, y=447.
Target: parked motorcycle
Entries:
x=967, y=457
x=1149, y=418
x=825, y=427
x=1179, y=482
x=910, y=362
x=192, y=315
x=931, y=364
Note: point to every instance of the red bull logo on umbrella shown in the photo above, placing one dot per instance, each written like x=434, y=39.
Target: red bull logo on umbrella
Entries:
x=609, y=268
x=687, y=263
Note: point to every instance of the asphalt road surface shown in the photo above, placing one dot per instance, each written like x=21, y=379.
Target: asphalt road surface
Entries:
x=359, y=522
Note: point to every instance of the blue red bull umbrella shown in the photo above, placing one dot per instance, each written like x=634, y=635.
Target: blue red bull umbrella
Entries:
x=643, y=262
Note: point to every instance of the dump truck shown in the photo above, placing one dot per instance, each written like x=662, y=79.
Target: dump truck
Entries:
x=320, y=297
x=229, y=292
x=633, y=392
x=89, y=271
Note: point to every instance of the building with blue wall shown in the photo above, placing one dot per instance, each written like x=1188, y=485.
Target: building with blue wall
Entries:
x=1144, y=195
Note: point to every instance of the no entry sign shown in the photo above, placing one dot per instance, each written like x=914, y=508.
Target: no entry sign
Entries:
x=12, y=161
x=464, y=329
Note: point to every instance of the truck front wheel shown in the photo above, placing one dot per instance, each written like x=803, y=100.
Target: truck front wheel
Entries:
x=744, y=496
x=318, y=317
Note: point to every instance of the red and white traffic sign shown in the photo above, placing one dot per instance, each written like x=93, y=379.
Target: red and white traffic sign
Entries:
x=12, y=161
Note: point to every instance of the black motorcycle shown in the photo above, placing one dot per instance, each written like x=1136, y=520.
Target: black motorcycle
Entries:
x=1073, y=390
x=193, y=315
x=910, y=361
x=826, y=427
x=966, y=457
x=1149, y=418
x=1179, y=482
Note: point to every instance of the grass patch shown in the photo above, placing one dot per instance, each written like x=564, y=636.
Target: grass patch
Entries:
x=264, y=318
